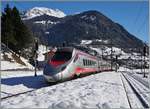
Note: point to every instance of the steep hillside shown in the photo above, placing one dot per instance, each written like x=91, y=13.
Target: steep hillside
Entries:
x=89, y=25
x=12, y=61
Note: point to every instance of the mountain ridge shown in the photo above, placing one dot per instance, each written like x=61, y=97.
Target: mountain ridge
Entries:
x=38, y=11
x=88, y=25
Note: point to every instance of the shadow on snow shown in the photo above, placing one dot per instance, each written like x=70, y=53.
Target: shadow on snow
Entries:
x=28, y=81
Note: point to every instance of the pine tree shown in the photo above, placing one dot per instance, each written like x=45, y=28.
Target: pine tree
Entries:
x=14, y=33
x=7, y=28
x=22, y=34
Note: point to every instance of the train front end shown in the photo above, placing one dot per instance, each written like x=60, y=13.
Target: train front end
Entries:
x=53, y=70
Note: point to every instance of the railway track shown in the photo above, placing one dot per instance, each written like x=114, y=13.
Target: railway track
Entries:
x=140, y=90
x=145, y=83
x=13, y=95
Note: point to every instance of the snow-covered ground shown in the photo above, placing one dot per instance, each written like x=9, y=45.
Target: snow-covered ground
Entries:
x=107, y=50
x=103, y=90
x=46, y=22
x=86, y=41
x=138, y=74
x=141, y=87
x=117, y=51
x=9, y=65
x=13, y=82
x=131, y=95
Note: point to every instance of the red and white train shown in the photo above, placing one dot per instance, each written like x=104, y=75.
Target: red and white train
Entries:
x=69, y=62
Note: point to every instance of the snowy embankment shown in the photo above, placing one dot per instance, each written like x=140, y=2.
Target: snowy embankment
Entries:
x=103, y=90
x=10, y=61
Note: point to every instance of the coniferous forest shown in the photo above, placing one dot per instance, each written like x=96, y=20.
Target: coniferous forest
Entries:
x=15, y=34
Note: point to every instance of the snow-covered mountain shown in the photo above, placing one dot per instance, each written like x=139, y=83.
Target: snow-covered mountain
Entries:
x=38, y=11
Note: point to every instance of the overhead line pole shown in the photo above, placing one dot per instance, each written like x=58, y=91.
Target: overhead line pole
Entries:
x=111, y=54
x=144, y=53
x=35, y=57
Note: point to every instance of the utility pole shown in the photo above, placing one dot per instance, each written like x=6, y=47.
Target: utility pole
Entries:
x=116, y=63
x=111, y=54
x=144, y=53
x=132, y=50
x=35, y=57
x=141, y=60
x=102, y=51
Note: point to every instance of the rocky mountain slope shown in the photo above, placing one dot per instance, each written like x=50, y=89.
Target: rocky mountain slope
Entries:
x=89, y=25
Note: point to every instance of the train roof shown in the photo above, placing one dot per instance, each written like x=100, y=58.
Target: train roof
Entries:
x=69, y=49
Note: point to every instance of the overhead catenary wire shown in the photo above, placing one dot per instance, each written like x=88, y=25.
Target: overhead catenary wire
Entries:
x=143, y=23
x=138, y=16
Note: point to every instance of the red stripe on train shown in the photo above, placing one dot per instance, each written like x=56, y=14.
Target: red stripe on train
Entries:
x=85, y=70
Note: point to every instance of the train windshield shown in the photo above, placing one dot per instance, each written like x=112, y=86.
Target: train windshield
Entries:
x=62, y=56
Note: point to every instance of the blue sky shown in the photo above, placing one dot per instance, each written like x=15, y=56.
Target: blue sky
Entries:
x=132, y=15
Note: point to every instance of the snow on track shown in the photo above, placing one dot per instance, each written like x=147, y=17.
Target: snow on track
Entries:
x=141, y=80
x=103, y=90
x=137, y=92
x=133, y=100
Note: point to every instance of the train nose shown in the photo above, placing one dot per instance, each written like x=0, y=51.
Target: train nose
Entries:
x=49, y=70
x=51, y=74
x=54, y=78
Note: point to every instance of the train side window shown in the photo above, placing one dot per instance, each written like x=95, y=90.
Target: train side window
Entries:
x=93, y=63
x=84, y=62
x=87, y=62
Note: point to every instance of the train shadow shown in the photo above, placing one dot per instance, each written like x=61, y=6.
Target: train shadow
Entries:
x=36, y=82
x=28, y=81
